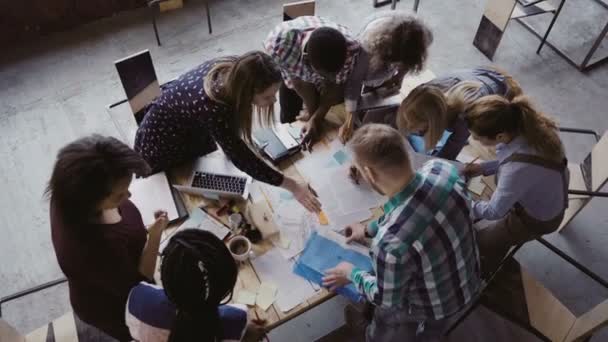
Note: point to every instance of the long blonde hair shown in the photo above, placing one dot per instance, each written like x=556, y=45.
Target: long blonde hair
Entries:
x=493, y=114
x=428, y=104
x=236, y=82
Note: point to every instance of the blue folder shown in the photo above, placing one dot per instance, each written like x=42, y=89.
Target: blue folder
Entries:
x=417, y=142
x=321, y=254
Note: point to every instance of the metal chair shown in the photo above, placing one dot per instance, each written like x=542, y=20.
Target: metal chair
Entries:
x=155, y=7
x=393, y=3
x=588, y=177
x=532, y=307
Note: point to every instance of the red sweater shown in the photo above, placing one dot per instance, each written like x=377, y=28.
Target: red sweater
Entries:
x=101, y=266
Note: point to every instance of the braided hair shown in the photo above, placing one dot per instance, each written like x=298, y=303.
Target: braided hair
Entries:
x=198, y=273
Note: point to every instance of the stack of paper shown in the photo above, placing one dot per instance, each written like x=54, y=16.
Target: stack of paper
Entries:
x=246, y=297
x=292, y=290
x=151, y=194
x=343, y=201
x=199, y=219
x=266, y=295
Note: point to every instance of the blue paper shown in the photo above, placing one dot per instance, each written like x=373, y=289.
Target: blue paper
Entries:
x=417, y=142
x=321, y=254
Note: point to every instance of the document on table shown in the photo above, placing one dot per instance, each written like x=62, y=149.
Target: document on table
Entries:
x=292, y=289
x=324, y=250
x=294, y=223
x=151, y=194
x=199, y=219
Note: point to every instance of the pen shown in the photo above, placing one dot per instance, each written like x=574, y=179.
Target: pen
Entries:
x=471, y=162
x=267, y=201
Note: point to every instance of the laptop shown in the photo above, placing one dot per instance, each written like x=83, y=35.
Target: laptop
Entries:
x=278, y=142
x=214, y=175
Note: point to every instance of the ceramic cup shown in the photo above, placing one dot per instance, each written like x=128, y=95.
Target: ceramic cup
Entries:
x=240, y=248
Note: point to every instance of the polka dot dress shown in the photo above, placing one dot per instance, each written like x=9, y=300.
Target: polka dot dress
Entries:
x=184, y=123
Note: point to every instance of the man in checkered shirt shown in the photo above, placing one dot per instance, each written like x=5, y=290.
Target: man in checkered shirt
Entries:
x=423, y=249
x=316, y=56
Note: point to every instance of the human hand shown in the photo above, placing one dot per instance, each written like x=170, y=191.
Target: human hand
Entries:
x=353, y=174
x=255, y=330
x=159, y=213
x=355, y=232
x=304, y=115
x=338, y=276
x=311, y=131
x=345, y=132
x=471, y=170
x=304, y=193
x=161, y=222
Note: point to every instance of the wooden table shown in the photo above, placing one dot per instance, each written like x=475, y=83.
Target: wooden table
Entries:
x=248, y=278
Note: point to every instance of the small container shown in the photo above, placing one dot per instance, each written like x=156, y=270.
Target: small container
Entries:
x=234, y=221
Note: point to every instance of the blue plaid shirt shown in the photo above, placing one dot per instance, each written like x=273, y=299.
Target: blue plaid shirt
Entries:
x=424, y=252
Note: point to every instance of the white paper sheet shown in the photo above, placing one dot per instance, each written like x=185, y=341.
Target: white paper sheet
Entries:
x=151, y=194
x=476, y=186
x=292, y=289
x=198, y=219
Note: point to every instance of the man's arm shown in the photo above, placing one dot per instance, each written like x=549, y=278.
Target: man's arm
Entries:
x=308, y=93
x=392, y=273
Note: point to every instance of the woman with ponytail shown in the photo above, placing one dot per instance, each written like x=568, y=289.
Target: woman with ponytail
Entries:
x=531, y=171
x=198, y=275
x=439, y=106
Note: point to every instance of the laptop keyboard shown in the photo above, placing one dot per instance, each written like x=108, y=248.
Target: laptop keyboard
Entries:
x=231, y=184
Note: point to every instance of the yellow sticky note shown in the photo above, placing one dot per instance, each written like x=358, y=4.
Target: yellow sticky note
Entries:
x=266, y=295
x=246, y=297
x=323, y=219
x=284, y=242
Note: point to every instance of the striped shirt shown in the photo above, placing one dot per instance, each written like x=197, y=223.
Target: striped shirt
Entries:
x=424, y=251
x=150, y=315
x=286, y=43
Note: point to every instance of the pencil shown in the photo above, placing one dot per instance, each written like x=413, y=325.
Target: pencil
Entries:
x=471, y=162
x=256, y=314
x=266, y=198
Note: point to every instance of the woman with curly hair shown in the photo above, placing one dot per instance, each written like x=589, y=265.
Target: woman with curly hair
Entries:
x=392, y=45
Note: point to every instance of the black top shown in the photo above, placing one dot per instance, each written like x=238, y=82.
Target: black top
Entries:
x=101, y=263
x=184, y=123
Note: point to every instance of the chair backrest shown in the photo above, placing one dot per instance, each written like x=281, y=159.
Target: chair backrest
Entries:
x=139, y=81
x=589, y=323
x=298, y=9
x=597, y=163
x=62, y=329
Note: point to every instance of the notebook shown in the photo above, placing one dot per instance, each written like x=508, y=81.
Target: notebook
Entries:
x=156, y=193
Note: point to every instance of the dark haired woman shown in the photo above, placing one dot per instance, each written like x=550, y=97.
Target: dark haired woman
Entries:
x=393, y=44
x=198, y=275
x=215, y=103
x=99, y=237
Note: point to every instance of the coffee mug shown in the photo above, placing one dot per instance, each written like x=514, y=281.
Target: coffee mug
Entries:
x=240, y=248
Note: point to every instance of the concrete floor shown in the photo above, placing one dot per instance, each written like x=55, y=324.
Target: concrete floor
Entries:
x=56, y=89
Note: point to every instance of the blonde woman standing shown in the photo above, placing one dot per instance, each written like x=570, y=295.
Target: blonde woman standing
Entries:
x=440, y=105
